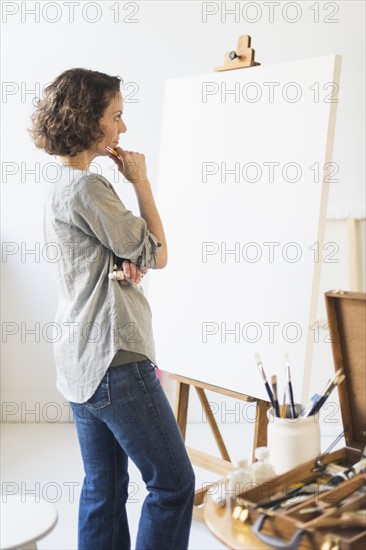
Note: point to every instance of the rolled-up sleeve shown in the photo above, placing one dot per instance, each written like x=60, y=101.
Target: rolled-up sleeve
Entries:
x=96, y=209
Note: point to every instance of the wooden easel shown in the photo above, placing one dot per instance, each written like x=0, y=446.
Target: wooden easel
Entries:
x=242, y=57
x=203, y=460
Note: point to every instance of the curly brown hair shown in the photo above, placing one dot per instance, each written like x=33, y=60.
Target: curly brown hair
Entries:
x=66, y=119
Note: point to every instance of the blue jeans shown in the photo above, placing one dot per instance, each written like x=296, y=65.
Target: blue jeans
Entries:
x=129, y=415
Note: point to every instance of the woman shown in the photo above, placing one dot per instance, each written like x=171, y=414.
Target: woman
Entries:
x=105, y=356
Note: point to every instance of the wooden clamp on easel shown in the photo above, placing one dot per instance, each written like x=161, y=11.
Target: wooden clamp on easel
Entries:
x=242, y=57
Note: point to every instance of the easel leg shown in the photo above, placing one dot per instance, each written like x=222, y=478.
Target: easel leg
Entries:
x=213, y=425
x=354, y=256
x=221, y=466
x=181, y=407
x=261, y=422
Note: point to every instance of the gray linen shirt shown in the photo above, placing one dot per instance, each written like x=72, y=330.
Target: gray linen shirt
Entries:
x=90, y=230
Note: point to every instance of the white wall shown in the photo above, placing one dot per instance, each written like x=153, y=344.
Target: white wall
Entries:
x=148, y=42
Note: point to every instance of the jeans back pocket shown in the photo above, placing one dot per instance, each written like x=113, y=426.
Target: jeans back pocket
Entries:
x=101, y=397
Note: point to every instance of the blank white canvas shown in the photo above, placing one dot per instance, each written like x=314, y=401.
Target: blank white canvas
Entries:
x=212, y=309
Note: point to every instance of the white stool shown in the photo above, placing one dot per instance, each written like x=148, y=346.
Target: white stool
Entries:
x=23, y=523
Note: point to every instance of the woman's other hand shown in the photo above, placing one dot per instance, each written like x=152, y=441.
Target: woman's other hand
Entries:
x=132, y=273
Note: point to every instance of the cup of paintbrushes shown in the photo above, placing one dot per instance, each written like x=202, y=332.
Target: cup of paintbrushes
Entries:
x=292, y=441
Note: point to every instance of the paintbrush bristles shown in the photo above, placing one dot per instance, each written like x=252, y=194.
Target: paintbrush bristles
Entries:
x=260, y=366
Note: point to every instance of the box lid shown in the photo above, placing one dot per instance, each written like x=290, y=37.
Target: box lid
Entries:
x=346, y=313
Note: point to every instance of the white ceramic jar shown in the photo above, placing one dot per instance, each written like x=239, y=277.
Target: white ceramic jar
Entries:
x=292, y=441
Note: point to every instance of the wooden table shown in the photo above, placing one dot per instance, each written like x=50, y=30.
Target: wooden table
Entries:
x=233, y=534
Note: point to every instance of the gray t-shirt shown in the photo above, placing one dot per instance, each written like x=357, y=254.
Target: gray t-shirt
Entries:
x=91, y=230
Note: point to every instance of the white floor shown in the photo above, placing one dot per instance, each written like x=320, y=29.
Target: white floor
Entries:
x=43, y=459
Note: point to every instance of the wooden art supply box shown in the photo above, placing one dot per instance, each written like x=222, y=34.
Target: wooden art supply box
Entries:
x=327, y=526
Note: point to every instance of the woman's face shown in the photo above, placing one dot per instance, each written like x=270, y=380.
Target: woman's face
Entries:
x=112, y=124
